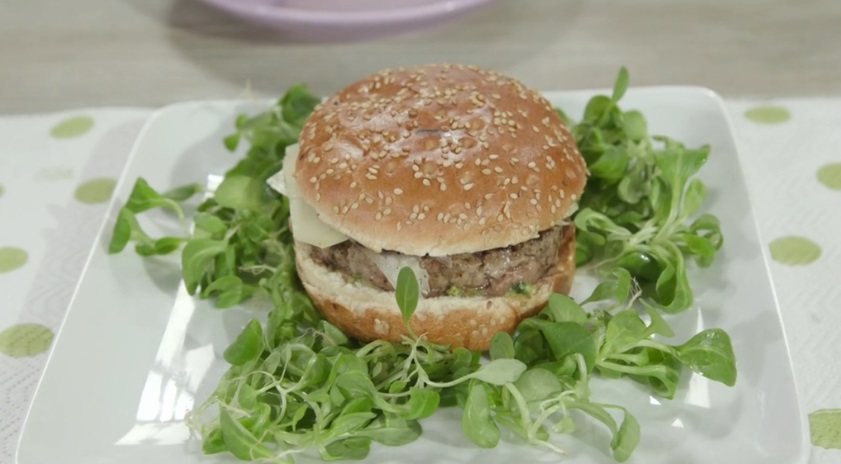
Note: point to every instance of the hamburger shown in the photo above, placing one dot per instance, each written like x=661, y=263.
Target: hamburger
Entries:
x=460, y=173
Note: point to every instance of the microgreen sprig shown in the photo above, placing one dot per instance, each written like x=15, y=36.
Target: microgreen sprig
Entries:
x=638, y=211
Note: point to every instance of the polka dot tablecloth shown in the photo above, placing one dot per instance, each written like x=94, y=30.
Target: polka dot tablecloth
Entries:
x=58, y=171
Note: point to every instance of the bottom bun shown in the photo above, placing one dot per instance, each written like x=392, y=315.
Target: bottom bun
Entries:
x=367, y=313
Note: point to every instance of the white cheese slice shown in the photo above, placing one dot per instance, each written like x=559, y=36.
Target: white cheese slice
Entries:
x=307, y=226
x=390, y=266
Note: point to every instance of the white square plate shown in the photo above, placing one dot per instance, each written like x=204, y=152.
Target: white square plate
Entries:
x=135, y=352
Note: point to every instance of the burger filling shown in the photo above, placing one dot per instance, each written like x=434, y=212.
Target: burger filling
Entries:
x=487, y=273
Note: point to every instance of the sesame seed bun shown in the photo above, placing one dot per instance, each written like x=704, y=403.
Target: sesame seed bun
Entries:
x=367, y=313
x=438, y=160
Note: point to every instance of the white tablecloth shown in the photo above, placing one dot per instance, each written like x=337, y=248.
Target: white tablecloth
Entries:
x=57, y=172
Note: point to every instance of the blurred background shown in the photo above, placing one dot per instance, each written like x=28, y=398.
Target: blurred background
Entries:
x=58, y=54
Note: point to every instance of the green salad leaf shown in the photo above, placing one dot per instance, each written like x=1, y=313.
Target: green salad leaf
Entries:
x=636, y=209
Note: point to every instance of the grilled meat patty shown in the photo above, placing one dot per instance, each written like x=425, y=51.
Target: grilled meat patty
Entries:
x=487, y=273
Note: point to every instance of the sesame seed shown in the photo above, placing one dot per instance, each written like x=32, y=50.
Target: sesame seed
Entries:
x=426, y=182
x=378, y=216
x=468, y=186
x=398, y=191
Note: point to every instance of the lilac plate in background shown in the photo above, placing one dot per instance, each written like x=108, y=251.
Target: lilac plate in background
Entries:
x=346, y=19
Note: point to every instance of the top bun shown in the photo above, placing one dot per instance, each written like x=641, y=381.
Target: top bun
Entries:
x=439, y=160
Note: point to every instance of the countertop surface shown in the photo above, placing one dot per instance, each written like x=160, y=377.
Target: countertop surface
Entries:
x=58, y=55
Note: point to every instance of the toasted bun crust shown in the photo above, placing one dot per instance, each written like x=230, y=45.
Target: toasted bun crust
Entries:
x=367, y=313
x=439, y=160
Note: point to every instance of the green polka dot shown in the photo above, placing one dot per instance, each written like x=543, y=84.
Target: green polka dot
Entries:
x=825, y=426
x=768, y=114
x=12, y=258
x=72, y=127
x=25, y=340
x=1, y=190
x=95, y=190
x=830, y=175
x=794, y=251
